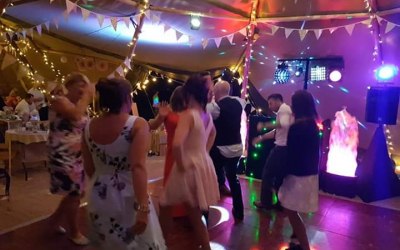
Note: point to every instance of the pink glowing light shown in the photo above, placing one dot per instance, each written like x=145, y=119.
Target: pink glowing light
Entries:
x=243, y=131
x=343, y=145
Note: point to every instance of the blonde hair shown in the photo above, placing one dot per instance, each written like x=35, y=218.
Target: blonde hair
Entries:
x=75, y=77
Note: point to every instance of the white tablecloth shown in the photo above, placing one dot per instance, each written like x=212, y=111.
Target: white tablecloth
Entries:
x=26, y=137
x=30, y=152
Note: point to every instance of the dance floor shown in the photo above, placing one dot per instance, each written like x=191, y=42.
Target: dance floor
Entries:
x=338, y=225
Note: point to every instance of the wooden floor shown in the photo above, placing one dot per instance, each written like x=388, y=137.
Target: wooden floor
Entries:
x=338, y=225
x=30, y=200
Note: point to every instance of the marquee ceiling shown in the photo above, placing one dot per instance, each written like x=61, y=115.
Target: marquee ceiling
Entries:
x=279, y=24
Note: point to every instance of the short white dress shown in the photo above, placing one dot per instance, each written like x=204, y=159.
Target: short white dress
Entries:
x=299, y=190
x=197, y=186
x=299, y=193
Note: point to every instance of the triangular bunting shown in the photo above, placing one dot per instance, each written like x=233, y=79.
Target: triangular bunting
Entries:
x=389, y=27
x=85, y=13
x=7, y=61
x=55, y=21
x=204, y=43
x=114, y=22
x=30, y=32
x=217, y=41
x=288, y=32
x=274, y=29
x=66, y=15
x=243, y=32
x=21, y=72
x=100, y=19
x=127, y=21
x=178, y=35
x=120, y=71
x=148, y=14
x=47, y=25
x=23, y=32
x=331, y=30
x=71, y=6
x=166, y=28
x=302, y=34
x=318, y=33
x=230, y=38
x=379, y=19
x=39, y=29
x=154, y=19
x=367, y=22
x=127, y=63
x=349, y=28
x=110, y=76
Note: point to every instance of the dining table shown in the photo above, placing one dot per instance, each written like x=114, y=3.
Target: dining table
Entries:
x=26, y=137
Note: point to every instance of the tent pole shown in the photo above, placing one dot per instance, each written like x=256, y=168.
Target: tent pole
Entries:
x=135, y=37
x=250, y=35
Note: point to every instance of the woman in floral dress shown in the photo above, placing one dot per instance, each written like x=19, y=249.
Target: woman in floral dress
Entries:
x=65, y=161
x=115, y=151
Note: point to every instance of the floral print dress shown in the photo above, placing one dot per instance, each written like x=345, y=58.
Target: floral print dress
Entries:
x=65, y=156
x=111, y=199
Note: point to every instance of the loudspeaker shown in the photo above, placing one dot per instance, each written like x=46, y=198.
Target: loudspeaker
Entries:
x=257, y=156
x=382, y=105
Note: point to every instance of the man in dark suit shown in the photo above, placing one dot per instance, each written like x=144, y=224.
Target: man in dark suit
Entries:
x=228, y=147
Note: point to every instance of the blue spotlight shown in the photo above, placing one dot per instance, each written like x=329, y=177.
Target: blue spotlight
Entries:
x=386, y=72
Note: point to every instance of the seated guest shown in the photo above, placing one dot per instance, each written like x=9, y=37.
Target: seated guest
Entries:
x=12, y=99
x=25, y=106
x=40, y=102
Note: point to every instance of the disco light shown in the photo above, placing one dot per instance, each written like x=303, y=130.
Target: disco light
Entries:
x=386, y=72
x=335, y=76
x=195, y=22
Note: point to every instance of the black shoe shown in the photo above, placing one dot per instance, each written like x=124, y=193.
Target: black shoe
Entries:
x=259, y=205
x=237, y=216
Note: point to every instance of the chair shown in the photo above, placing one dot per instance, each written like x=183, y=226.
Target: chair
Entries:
x=4, y=156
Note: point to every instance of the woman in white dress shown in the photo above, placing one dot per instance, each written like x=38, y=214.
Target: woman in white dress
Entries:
x=115, y=150
x=193, y=180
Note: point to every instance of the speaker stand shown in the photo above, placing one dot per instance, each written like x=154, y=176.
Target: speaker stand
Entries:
x=376, y=177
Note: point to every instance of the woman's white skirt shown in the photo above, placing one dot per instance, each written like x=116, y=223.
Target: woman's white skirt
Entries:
x=299, y=193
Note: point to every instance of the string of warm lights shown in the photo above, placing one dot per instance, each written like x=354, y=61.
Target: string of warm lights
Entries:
x=389, y=139
x=21, y=57
x=375, y=31
x=249, y=48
